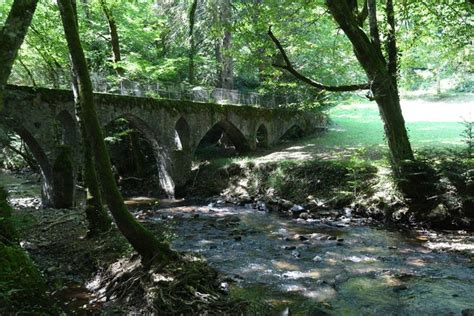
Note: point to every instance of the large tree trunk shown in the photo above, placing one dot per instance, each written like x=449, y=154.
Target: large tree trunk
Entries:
x=11, y=37
x=381, y=75
x=142, y=240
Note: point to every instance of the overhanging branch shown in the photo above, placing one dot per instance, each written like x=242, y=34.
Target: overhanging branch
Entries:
x=289, y=67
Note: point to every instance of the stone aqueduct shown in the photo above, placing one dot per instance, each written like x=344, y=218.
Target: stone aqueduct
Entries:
x=45, y=119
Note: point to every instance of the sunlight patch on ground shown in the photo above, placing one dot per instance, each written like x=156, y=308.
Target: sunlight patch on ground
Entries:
x=357, y=130
x=450, y=246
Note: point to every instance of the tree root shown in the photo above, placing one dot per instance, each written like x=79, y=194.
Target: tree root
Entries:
x=184, y=287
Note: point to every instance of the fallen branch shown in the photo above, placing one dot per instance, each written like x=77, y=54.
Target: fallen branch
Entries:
x=60, y=220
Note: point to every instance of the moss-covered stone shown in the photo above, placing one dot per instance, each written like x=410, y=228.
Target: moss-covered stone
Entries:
x=7, y=231
x=174, y=106
x=22, y=289
x=63, y=178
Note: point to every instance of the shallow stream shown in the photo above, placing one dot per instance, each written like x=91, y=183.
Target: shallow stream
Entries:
x=343, y=267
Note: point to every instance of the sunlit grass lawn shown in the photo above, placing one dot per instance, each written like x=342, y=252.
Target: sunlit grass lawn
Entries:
x=357, y=130
x=429, y=123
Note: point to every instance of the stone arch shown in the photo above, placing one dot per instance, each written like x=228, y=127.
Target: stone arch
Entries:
x=237, y=138
x=36, y=150
x=295, y=131
x=142, y=126
x=161, y=152
x=182, y=135
x=262, y=136
x=46, y=169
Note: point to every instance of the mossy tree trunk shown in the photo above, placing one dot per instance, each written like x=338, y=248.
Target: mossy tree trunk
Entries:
x=97, y=219
x=12, y=35
x=142, y=240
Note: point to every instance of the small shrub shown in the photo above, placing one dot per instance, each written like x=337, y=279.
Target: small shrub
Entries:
x=468, y=137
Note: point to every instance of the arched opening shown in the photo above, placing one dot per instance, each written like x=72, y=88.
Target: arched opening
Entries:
x=262, y=136
x=293, y=133
x=131, y=151
x=182, y=135
x=222, y=140
x=15, y=153
x=40, y=158
x=55, y=165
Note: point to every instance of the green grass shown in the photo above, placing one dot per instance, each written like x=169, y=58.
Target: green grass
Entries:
x=429, y=123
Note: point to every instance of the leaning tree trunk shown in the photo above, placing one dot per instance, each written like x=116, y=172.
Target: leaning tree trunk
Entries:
x=142, y=240
x=381, y=74
x=97, y=218
x=11, y=37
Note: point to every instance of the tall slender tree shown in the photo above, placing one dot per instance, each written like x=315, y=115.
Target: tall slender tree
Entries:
x=192, y=40
x=224, y=56
x=114, y=37
x=141, y=239
x=97, y=218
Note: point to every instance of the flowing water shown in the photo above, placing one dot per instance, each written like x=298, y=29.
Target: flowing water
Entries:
x=313, y=267
x=343, y=267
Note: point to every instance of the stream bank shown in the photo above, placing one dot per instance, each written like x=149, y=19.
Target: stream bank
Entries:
x=335, y=186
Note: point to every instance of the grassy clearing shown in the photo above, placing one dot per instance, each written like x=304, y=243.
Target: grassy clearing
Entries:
x=430, y=123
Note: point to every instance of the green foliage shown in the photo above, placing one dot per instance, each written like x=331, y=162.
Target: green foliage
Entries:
x=22, y=289
x=295, y=180
x=154, y=40
x=468, y=137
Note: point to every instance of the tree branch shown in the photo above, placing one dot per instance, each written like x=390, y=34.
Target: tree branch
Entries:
x=391, y=40
x=363, y=14
x=373, y=25
x=289, y=67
